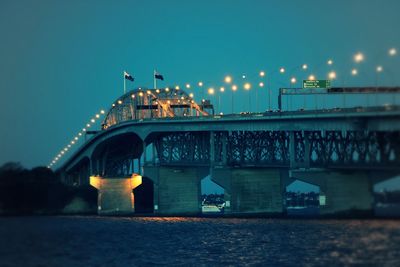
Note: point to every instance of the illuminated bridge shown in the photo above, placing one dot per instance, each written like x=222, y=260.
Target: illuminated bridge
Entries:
x=161, y=144
x=146, y=103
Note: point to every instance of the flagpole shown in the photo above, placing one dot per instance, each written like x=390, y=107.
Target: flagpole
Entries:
x=154, y=79
x=124, y=83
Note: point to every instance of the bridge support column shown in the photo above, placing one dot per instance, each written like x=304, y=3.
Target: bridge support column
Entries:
x=176, y=189
x=251, y=190
x=115, y=196
x=346, y=192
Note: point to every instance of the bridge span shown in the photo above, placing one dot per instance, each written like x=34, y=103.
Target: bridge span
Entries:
x=163, y=158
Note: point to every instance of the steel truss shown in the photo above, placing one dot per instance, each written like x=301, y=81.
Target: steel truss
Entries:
x=289, y=149
x=351, y=149
x=184, y=148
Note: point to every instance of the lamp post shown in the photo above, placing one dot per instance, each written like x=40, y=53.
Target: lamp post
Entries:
x=228, y=80
x=234, y=89
x=281, y=70
x=312, y=77
x=379, y=69
x=393, y=52
x=221, y=90
x=354, y=72
x=261, y=84
x=293, y=81
x=247, y=87
x=200, y=84
x=211, y=91
x=331, y=76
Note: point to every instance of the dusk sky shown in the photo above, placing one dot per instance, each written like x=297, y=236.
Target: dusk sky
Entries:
x=63, y=61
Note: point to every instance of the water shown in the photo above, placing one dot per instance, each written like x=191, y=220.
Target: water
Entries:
x=120, y=241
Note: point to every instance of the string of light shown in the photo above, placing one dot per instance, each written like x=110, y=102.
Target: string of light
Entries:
x=358, y=58
x=75, y=139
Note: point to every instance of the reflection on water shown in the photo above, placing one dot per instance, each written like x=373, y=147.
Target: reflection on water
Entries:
x=124, y=241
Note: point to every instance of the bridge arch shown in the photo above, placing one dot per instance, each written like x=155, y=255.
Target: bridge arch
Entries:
x=117, y=156
x=79, y=174
x=144, y=103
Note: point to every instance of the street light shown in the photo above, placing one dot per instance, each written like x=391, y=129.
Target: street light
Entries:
x=354, y=72
x=262, y=73
x=188, y=86
x=304, y=67
x=293, y=80
x=282, y=70
x=329, y=62
x=332, y=75
x=359, y=57
x=392, y=52
x=379, y=69
x=228, y=79
x=311, y=77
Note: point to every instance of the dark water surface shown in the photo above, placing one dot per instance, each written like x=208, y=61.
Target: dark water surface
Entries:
x=120, y=241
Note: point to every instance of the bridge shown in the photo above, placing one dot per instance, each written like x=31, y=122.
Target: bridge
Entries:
x=156, y=145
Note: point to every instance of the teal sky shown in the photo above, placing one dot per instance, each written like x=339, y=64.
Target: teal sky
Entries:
x=62, y=61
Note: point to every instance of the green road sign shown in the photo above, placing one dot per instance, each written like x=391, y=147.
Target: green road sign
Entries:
x=316, y=83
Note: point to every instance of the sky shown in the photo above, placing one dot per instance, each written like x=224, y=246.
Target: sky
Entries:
x=63, y=61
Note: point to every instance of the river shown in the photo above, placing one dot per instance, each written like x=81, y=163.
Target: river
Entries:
x=148, y=241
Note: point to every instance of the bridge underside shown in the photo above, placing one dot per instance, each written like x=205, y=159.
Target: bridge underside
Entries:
x=253, y=167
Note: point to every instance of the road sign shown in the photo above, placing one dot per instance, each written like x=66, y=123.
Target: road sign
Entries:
x=316, y=83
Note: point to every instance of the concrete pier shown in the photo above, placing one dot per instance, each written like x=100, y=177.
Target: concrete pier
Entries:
x=177, y=190
x=251, y=190
x=346, y=192
x=115, y=196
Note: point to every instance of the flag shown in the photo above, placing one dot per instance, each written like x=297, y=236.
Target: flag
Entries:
x=158, y=76
x=128, y=76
